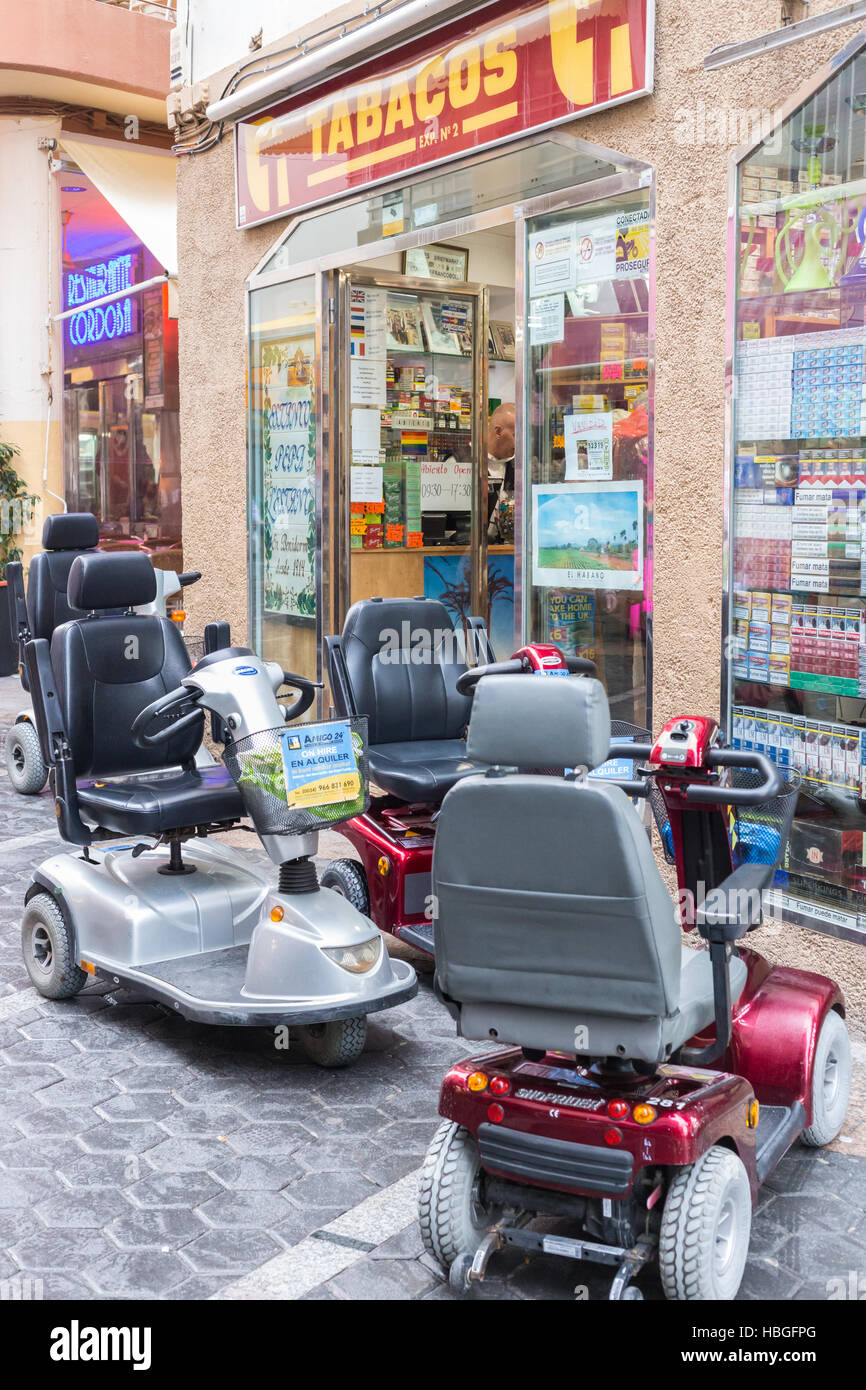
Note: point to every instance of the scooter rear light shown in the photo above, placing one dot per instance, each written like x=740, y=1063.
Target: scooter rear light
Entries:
x=617, y=1109
x=500, y=1085
x=178, y=615
x=496, y=1114
x=613, y=1136
x=643, y=1114
x=477, y=1081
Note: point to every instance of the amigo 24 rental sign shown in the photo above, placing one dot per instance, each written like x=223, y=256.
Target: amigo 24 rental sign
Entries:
x=504, y=71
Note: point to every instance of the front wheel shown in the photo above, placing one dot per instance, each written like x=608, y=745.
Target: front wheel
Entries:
x=706, y=1223
x=48, y=944
x=335, y=1044
x=453, y=1216
x=24, y=762
x=831, y=1082
x=346, y=877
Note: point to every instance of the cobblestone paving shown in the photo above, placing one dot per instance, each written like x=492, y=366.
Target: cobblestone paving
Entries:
x=145, y=1157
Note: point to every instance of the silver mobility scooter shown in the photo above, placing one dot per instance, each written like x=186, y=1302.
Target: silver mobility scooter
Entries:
x=148, y=902
x=65, y=536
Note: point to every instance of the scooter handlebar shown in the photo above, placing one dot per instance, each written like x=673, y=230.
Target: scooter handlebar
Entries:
x=190, y=577
x=174, y=699
x=577, y=666
x=771, y=786
x=305, y=699
x=468, y=681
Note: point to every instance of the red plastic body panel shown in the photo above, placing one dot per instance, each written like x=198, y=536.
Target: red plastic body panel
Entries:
x=408, y=854
x=543, y=658
x=684, y=741
x=776, y=1024
x=775, y=1029
x=548, y=1099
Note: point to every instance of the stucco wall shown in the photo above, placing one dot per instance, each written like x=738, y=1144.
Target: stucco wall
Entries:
x=690, y=364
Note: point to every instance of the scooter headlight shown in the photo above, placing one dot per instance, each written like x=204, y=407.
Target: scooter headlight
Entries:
x=357, y=959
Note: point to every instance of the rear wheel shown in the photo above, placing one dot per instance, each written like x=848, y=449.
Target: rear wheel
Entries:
x=48, y=944
x=831, y=1082
x=452, y=1214
x=24, y=763
x=335, y=1044
x=706, y=1222
x=346, y=877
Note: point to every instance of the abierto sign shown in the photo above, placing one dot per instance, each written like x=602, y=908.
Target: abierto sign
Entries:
x=505, y=70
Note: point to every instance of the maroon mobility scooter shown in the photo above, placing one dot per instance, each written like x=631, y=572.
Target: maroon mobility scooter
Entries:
x=400, y=662
x=648, y=1088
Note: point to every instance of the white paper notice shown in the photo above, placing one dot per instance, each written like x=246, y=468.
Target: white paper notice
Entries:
x=365, y=435
x=547, y=319
x=552, y=263
x=588, y=445
x=596, y=250
x=368, y=381
x=375, y=304
x=366, y=484
x=446, y=486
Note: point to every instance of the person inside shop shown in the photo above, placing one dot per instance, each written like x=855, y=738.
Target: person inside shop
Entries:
x=500, y=475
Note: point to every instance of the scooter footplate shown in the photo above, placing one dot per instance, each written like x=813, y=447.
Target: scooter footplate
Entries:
x=208, y=988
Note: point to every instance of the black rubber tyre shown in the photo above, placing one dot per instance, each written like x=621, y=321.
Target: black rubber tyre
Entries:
x=346, y=877
x=335, y=1044
x=24, y=764
x=453, y=1221
x=831, y=1082
x=48, y=944
x=706, y=1222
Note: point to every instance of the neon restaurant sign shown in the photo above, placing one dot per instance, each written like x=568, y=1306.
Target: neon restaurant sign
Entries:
x=101, y=323
x=506, y=70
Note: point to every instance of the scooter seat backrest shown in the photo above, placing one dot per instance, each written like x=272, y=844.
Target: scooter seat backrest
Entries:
x=65, y=536
x=107, y=667
x=402, y=663
x=551, y=910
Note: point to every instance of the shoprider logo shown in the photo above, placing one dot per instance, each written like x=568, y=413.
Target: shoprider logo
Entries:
x=77, y=1343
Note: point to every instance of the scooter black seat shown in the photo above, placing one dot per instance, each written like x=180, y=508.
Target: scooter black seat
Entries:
x=398, y=663
x=161, y=802
x=420, y=771
x=65, y=536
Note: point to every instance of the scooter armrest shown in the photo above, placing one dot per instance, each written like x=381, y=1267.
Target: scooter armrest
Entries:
x=736, y=905
x=46, y=705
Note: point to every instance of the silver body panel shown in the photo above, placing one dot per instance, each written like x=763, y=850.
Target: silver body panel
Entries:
x=205, y=942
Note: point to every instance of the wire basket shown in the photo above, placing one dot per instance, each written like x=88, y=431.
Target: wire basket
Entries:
x=759, y=834
x=256, y=764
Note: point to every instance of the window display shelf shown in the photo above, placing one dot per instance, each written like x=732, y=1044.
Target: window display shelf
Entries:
x=795, y=659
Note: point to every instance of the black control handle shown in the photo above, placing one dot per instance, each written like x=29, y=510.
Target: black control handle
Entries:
x=580, y=665
x=772, y=785
x=190, y=577
x=468, y=681
x=305, y=699
x=174, y=700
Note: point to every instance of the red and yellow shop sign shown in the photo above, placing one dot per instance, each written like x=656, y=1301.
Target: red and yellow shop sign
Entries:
x=508, y=69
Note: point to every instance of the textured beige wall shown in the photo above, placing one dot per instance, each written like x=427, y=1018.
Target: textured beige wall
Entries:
x=690, y=364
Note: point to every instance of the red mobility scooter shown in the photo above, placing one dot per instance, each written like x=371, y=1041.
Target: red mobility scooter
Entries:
x=398, y=662
x=648, y=1089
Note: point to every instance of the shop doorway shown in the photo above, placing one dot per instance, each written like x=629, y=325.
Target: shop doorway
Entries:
x=373, y=373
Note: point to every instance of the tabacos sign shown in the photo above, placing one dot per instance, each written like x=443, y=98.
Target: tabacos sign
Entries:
x=505, y=70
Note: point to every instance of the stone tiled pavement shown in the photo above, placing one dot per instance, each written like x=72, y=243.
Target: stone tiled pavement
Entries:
x=145, y=1157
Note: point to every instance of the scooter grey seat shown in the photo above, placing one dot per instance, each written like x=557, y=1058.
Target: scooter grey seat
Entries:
x=401, y=664
x=152, y=805
x=554, y=927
